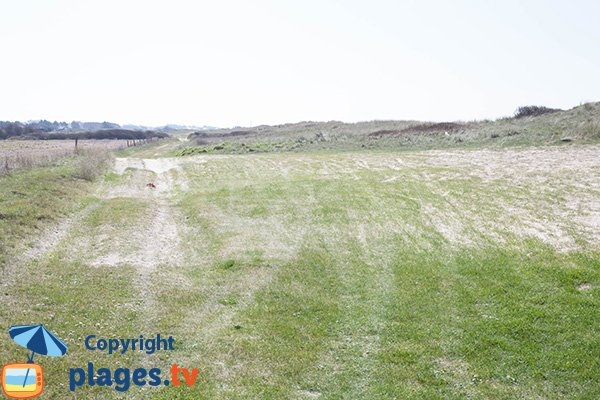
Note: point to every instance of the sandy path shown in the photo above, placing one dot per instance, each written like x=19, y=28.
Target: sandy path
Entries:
x=158, y=236
x=153, y=243
x=150, y=244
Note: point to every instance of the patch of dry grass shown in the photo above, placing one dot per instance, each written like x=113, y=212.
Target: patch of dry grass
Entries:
x=27, y=154
x=92, y=162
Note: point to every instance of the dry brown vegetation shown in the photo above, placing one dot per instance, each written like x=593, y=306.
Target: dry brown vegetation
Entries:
x=428, y=128
x=27, y=154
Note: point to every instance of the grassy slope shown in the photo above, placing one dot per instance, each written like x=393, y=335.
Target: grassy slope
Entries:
x=581, y=124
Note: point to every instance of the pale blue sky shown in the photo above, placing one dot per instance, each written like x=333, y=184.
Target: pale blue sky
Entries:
x=241, y=62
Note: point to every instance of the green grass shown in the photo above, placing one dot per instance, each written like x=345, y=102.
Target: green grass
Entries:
x=400, y=311
x=337, y=275
x=483, y=324
x=117, y=213
x=35, y=199
x=491, y=324
x=149, y=150
x=74, y=301
x=238, y=148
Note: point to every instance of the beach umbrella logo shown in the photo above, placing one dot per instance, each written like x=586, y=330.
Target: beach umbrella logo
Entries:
x=26, y=380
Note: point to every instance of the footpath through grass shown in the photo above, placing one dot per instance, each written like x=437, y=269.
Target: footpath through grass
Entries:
x=363, y=275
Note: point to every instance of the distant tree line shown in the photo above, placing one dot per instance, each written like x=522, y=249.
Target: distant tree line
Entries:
x=123, y=134
x=45, y=130
x=11, y=129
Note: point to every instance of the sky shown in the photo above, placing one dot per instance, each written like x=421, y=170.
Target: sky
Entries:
x=239, y=63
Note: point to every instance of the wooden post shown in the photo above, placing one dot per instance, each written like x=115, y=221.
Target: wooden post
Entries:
x=76, y=140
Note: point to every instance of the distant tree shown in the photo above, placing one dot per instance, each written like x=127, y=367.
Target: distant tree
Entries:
x=110, y=125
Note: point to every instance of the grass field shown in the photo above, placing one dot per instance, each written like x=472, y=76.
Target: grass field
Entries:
x=367, y=275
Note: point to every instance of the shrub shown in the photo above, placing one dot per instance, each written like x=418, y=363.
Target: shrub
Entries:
x=435, y=127
x=532, y=111
x=91, y=163
x=589, y=130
